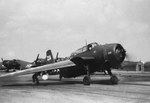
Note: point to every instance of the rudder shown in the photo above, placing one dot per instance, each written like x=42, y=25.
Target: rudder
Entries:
x=49, y=56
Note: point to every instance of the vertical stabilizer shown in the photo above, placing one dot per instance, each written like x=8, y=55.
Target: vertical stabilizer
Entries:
x=49, y=56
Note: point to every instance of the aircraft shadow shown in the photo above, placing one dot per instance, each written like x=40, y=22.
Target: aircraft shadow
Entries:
x=136, y=84
x=136, y=80
x=57, y=82
x=127, y=80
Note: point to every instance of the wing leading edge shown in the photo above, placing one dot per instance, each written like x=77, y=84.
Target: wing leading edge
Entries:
x=60, y=65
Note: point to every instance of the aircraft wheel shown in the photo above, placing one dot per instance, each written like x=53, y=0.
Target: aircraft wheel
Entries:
x=35, y=79
x=86, y=80
x=114, y=79
x=37, y=82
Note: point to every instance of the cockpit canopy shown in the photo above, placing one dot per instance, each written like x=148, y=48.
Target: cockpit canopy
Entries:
x=85, y=48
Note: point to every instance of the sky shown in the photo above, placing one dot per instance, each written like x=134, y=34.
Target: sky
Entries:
x=29, y=27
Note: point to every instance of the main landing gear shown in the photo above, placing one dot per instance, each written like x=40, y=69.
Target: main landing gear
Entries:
x=87, y=79
x=60, y=77
x=35, y=78
x=113, y=78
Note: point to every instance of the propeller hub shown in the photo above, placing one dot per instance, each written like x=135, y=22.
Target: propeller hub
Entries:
x=120, y=53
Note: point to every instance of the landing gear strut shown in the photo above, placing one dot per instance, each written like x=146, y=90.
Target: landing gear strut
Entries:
x=60, y=77
x=113, y=78
x=86, y=79
x=35, y=79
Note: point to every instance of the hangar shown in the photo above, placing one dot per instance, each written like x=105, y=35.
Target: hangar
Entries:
x=140, y=66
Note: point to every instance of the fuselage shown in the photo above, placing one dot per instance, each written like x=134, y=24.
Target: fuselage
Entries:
x=11, y=64
x=95, y=56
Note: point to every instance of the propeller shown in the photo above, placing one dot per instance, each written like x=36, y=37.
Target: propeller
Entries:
x=120, y=52
x=56, y=57
x=123, y=54
x=128, y=57
x=2, y=59
x=37, y=58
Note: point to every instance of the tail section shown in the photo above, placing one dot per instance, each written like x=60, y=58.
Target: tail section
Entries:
x=49, y=56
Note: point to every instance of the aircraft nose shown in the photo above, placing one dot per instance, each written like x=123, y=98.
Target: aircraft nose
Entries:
x=120, y=53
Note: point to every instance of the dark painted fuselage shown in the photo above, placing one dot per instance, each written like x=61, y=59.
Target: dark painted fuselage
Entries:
x=97, y=57
x=11, y=64
x=43, y=61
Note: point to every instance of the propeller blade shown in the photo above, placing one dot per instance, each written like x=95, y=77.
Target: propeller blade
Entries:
x=2, y=59
x=128, y=57
x=37, y=57
x=56, y=56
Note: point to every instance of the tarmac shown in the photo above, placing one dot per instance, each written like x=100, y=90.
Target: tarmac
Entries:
x=133, y=87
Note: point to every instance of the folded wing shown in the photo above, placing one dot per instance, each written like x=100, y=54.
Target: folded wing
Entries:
x=57, y=65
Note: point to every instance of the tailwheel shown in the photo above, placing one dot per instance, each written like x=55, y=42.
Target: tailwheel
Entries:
x=86, y=80
x=114, y=79
x=35, y=79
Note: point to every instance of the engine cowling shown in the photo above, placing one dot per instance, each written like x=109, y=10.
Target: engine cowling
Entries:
x=114, y=54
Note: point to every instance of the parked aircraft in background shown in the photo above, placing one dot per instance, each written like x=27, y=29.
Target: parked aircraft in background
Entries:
x=85, y=61
x=14, y=64
x=43, y=61
x=10, y=64
x=2, y=67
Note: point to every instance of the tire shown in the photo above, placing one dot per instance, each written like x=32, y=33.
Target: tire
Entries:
x=35, y=79
x=86, y=80
x=37, y=82
x=114, y=79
